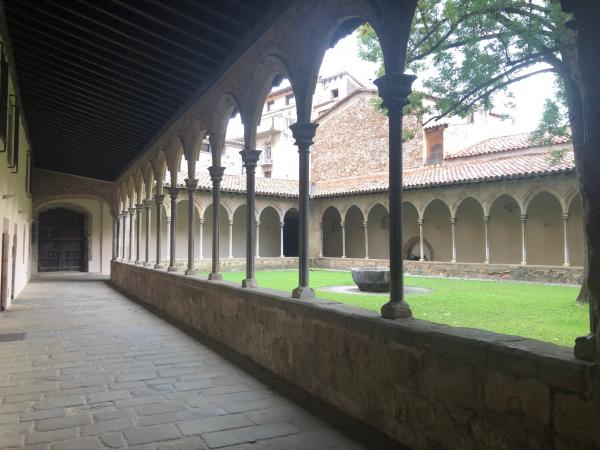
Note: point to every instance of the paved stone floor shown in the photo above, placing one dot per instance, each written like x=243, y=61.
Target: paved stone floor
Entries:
x=97, y=370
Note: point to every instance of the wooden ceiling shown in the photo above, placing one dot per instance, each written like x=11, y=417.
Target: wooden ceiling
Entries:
x=100, y=78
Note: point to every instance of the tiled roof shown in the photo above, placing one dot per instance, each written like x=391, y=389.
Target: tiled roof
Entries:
x=504, y=144
x=459, y=172
x=237, y=184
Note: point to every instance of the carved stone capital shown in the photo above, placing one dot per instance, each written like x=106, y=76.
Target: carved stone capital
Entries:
x=160, y=198
x=565, y=216
x=394, y=89
x=452, y=220
x=216, y=173
x=486, y=219
x=139, y=208
x=173, y=193
x=132, y=211
x=191, y=184
x=523, y=218
x=148, y=203
x=303, y=133
x=118, y=216
x=250, y=158
x=420, y=221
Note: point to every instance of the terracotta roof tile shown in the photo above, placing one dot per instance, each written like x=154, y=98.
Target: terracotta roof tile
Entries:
x=237, y=184
x=504, y=144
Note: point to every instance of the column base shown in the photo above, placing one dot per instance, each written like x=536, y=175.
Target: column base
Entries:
x=215, y=276
x=148, y=264
x=396, y=310
x=422, y=259
x=523, y=263
x=585, y=348
x=486, y=262
x=249, y=283
x=191, y=272
x=159, y=267
x=138, y=263
x=453, y=261
x=566, y=265
x=172, y=269
x=303, y=292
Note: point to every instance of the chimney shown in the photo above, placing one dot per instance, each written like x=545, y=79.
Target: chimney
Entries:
x=433, y=144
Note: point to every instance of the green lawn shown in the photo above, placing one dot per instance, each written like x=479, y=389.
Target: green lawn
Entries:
x=544, y=312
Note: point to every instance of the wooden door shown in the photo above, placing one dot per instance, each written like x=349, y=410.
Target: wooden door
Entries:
x=61, y=241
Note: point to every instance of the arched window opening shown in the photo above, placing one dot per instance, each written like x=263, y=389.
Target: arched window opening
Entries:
x=290, y=232
x=505, y=231
x=544, y=231
x=470, y=232
x=355, y=234
x=269, y=238
x=437, y=230
x=378, y=224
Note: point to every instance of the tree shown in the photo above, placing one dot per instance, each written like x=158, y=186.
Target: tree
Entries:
x=479, y=48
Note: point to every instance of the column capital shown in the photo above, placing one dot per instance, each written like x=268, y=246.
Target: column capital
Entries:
x=282, y=224
x=201, y=220
x=365, y=224
x=118, y=216
x=191, y=184
x=342, y=224
x=486, y=219
x=131, y=211
x=173, y=193
x=394, y=89
x=167, y=219
x=565, y=216
x=159, y=198
x=453, y=220
x=523, y=218
x=420, y=221
x=139, y=207
x=258, y=223
x=321, y=225
x=148, y=203
x=216, y=173
x=303, y=133
x=230, y=221
x=250, y=158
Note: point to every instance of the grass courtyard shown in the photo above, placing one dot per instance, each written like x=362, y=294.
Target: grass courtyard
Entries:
x=544, y=312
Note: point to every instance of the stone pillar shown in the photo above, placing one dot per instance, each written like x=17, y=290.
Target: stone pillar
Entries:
x=366, y=228
x=125, y=217
x=191, y=185
x=250, y=158
x=523, y=218
x=303, y=133
x=160, y=198
x=118, y=218
x=453, y=224
x=201, y=253
x=421, y=242
x=321, y=237
x=216, y=175
x=168, y=221
x=565, y=219
x=343, y=226
x=148, y=207
x=281, y=225
x=394, y=89
x=139, y=208
x=258, y=238
x=486, y=222
x=131, y=232
x=230, y=238
x=173, y=192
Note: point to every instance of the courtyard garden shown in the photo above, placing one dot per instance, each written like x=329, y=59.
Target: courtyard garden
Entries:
x=538, y=311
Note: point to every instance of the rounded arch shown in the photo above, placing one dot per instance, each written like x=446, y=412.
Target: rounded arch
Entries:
x=544, y=230
x=354, y=221
x=427, y=203
x=378, y=227
x=375, y=205
x=437, y=229
x=470, y=230
x=497, y=195
x=332, y=232
x=269, y=232
x=504, y=235
x=531, y=195
x=460, y=198
x=226, y=207
x=291, y=230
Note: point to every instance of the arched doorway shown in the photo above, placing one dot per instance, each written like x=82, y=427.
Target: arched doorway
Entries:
x=62, y=241
x=290, y=232
x=544, y=231
x=269, y=233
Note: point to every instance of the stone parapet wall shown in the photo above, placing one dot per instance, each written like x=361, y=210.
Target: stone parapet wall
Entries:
x=429, y=386
x=239, y=264
x=542, y=274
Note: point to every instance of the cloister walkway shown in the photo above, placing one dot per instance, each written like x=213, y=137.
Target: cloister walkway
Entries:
x=96, y=370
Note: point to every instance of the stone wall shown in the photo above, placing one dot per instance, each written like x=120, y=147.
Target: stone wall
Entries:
x=542, y=274
x=427, y=385
x=239, y=264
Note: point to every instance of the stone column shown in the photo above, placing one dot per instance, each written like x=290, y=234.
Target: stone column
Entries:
x=366, y=228
x=118, y=218
x=343, y=226
x=421, y=242
x=148, y=207
x=258, y=238
x=321, y=236
x=250, y=158
x=125, y=217
x=131, y=232
x=523, y=218
x=486, y=222
x=191, y=185
x=565, y=219
x=453, y=224
x=139, y=208
x=201, y=253
x=281, y=225
x=230, y=238
x=173, y=192
x=303, y=133
x=394, y=89
x=216, y=175
x=168, y=221
x=160, y=198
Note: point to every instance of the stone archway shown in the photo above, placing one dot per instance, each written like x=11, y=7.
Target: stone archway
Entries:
x=332, y=233
x=291, y=227
x=412, y=249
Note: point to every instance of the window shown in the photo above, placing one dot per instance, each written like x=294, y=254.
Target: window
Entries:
x=290, y=99
x=267, y=174
x=267, y=151
x=270, y=105
x=335, y=93
x=436, y=155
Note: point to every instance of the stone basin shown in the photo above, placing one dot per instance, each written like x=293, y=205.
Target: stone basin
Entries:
x=372, y=279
